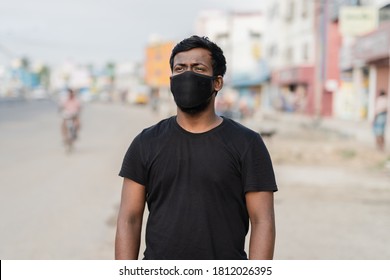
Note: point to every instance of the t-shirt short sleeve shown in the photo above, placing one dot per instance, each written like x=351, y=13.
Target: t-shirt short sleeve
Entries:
x=132, y=165
x=257, y=169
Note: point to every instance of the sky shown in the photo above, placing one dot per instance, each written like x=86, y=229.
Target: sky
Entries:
x=98, y=31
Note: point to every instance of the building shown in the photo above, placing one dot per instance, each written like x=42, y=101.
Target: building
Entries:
x=158, y=72
x=371, y=52
x=129, y=83
x=302, y=54
x=364, y=60
x=239, y=34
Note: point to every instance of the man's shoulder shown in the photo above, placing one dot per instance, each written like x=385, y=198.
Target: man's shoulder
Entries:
x=237, y=128
x=157, y=129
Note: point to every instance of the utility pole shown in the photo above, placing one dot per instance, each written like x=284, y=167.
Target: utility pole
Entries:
x=321, y=54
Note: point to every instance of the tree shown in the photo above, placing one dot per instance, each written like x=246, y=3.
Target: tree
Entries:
x=44, y=76
x=110, y=70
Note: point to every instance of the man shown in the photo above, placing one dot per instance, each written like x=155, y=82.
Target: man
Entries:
x=379, y=124
x=203, y=176
x=70, y=108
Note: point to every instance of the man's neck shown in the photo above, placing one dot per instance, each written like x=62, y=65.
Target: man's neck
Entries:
x=198, y=123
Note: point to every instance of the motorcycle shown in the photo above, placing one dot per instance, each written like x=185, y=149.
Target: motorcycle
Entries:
x=71, y=133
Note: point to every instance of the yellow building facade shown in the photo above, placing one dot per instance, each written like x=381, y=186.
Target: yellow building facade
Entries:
x=157, y=70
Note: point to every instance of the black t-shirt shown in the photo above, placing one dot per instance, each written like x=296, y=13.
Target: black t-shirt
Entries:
x=196, y=185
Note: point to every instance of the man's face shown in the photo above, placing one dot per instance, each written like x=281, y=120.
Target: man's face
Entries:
x=199, y=61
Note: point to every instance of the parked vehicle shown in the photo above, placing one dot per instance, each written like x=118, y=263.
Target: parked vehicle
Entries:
x=39, y=93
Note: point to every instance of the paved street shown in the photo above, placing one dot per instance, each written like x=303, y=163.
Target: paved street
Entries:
x=59, y=206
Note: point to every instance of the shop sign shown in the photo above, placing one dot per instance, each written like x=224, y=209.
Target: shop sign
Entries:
x=288, y=75
x=293, y=75
x=356, y=21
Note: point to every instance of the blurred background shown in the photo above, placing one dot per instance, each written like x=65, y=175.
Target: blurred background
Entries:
x=305, y=74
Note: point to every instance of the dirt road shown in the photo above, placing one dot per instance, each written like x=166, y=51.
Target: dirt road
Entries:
x=333, y=200
x=334, y=194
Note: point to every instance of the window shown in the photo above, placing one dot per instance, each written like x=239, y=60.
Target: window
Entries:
x=290, y=12
x=254, y=34
x=273, y=12
x=289, y=55
x=304, y=8
x=272, y=51
x=305, y=52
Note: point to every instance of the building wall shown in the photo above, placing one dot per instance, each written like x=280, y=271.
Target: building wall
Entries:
x=289, y=41
x=372, y=51
x=246, y=30
x=289, y=37
x=300, y=37
x=362, y=53
x=332, y=71
x=157, y=69
x=239, y=34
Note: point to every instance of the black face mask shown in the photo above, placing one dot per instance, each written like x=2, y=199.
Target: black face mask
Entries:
x=191, y=90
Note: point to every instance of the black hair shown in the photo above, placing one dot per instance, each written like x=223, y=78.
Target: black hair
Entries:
x=218, y=60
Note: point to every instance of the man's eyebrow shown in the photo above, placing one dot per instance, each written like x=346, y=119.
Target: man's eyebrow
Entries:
x=198, y=63
x=192, y=64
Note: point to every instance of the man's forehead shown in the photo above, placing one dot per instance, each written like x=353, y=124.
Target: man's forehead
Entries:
x=196, y=55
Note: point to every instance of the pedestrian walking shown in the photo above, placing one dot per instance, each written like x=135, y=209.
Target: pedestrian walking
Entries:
x=379, y=124
x=203, y=177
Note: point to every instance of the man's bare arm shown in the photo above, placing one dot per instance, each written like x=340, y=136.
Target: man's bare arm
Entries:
x=129, y=224
x=260, y=207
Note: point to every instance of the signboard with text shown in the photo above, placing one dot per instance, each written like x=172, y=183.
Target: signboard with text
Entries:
x=356, y=21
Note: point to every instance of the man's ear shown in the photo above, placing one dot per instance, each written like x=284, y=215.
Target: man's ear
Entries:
x=218, y=83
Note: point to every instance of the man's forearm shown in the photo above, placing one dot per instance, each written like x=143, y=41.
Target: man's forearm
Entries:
x=127, y=241
x=262, y=241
